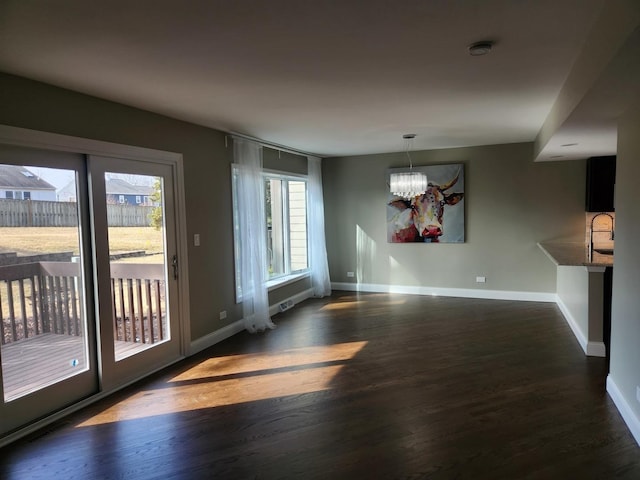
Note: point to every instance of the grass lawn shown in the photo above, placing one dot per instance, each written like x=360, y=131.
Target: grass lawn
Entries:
x=35, y=240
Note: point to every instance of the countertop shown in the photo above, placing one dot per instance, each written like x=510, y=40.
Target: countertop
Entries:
x=574, y=254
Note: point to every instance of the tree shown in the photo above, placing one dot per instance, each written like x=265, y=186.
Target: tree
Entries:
x=155, y=216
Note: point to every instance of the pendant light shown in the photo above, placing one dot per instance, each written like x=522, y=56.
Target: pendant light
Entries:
x=408, y=184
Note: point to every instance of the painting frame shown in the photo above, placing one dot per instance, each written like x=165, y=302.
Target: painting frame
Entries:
x=436, y=215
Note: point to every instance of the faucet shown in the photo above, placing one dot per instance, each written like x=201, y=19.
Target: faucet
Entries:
x=592, y=231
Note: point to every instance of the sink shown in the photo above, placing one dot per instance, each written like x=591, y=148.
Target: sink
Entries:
x=604, y=251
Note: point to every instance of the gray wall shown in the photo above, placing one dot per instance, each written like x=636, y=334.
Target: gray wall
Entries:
x=573, y=291
x=625, y=322
x=511, y=203
x=207, y=169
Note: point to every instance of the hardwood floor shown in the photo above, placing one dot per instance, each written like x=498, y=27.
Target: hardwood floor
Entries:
x=358, y=386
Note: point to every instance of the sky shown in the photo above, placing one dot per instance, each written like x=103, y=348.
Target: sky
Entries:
x=55, y=176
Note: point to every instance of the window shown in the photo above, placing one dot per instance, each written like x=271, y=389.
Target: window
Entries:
x=286, y=212
x=286, y=228
x=121, y=198
x=26, y=195
x=8, y=194
x=138, y=199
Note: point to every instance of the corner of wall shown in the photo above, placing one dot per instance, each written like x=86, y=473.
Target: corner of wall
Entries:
x=630, y=418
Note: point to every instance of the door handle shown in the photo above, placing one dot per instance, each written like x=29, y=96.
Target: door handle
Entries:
x=174, y=264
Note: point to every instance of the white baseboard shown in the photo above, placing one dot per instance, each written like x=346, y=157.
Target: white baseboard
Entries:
x=591, y=349
x=596, y=349
x=297, y=298
x=628, y=415
x=216, y=337
x=447, y=292
x=575, y=328
x=236, y=327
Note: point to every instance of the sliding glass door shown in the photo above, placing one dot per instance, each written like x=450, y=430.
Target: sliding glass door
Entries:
x=136, y=264
x=47, y=327
x=88, y=278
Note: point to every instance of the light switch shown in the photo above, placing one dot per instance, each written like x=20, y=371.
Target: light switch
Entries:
x=196, y=240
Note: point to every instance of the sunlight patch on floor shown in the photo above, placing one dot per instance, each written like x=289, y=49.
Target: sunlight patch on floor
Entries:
x=235, y=364
x=342, y=305
x=348, y=305
x=205, y=385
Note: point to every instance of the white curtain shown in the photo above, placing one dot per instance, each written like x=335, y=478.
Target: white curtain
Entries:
x=317, y=245
x=253, y=237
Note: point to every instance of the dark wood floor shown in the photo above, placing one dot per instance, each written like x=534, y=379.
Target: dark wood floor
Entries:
x=358, y=386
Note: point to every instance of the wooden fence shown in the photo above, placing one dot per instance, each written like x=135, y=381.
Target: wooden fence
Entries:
x=35, y=213
x=128, y=215
x=46, y=297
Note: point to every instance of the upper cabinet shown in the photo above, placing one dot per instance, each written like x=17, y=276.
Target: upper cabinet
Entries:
x=601, y=180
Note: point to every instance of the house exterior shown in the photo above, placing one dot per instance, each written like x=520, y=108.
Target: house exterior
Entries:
x=20, y=183
x=119, y=192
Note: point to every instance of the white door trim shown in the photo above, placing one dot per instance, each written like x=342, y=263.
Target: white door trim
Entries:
x=53, y=141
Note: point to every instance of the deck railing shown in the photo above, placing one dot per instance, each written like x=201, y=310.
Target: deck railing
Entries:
x=46, y=297
x=138, y=296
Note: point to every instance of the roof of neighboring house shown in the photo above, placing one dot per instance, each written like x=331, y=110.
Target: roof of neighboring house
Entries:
x=15, y=177
x=114, y=186
x=117, y=186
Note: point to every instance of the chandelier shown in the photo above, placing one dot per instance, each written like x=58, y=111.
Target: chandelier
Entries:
x=408, y=184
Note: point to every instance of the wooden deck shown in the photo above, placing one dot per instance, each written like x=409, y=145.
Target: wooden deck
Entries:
x=39, y=361
x=48, y=358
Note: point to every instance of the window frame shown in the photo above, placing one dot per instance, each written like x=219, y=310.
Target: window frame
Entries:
x=287, y=276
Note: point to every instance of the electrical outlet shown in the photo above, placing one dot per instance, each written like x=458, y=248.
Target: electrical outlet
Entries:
x=350, y=274
x=196, y=240
x=223, y=314
x=481, y=279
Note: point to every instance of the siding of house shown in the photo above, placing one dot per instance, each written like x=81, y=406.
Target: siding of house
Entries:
x=131, y=199
x=18, y=194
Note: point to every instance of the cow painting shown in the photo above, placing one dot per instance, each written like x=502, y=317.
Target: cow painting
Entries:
x=422, y=218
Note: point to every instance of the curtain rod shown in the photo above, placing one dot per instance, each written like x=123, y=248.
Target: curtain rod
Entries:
x=274, y=146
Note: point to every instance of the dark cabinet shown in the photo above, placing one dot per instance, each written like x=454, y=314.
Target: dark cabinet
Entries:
x=601, y=180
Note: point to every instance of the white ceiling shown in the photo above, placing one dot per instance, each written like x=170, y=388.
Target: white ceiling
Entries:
x=332, y=77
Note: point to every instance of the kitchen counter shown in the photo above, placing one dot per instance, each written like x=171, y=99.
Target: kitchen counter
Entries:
x=574, y=254
x=581, y=293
